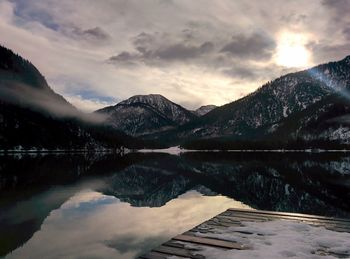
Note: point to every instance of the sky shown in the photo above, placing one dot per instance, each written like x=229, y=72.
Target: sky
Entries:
x=97, y=53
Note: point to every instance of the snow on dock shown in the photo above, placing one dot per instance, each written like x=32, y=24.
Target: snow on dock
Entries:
x=239, y=233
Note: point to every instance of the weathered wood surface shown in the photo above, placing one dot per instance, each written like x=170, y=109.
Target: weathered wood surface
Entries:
x=234, y=217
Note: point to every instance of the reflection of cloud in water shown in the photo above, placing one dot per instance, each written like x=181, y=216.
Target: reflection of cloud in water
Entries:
x=92, y=224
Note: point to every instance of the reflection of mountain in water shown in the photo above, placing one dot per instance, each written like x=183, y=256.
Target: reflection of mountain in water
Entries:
x=147, y=186
x=20, y=220
x=31, y=187
x=278, y=182
x=272, y=182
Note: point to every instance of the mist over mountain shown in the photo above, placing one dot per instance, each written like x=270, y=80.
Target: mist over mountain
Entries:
x=32, y=115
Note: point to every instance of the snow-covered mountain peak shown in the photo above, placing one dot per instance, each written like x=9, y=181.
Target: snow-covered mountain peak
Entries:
x=145, y=114
x=167, y=108
x=204, y=109
x=146, y=99
x=347, y=59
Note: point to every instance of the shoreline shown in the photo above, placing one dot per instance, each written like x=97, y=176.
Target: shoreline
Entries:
x=172, y=150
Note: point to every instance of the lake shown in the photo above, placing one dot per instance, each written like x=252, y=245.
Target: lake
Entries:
x=109, y=206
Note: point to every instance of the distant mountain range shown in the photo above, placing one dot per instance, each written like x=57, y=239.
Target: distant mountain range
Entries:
x=142, y=115
x=304, y=109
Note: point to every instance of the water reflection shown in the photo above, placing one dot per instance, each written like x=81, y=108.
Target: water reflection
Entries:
x=91, y=224
x=104, y=206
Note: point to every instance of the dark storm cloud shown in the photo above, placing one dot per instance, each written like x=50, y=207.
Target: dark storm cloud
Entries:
x=146, y=44
x=188, y=34
x=325, y=52
x=337, y=30
x=159, y=49
x=172, y=52
x=94, y=35
x=339, y=12
x=244, y=72
x=162, y=49
x=340, y=7
x=255, y=46
x=125, y=57
x=248, y=71
x=182, y=52
x=143, y=39
x=346, y=32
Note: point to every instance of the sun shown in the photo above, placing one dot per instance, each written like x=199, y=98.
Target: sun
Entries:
x=291, y=51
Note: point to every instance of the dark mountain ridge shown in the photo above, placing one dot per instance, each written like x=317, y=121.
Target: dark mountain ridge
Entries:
x=33, y=116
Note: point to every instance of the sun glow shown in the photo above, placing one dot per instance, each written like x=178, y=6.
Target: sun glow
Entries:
x=291, y=50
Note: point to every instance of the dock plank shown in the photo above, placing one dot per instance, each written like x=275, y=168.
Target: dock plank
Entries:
x=329, y=224
x=318, y=222
x=154, y=255
x=177, y=246
x=289, y=214
x=209, y=242
x=289, y=217
x=169, y=250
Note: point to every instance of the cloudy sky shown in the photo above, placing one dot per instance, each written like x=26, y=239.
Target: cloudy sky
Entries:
x=97, y=53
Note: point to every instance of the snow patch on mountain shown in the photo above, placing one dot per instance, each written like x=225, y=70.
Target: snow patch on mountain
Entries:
x=146, y=114
x=169, y=109
x=204, y=109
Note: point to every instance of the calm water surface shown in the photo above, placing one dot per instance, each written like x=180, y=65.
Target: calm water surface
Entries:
x=106, y=206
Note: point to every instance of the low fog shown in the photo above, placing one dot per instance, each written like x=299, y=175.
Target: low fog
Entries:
x=46, y=101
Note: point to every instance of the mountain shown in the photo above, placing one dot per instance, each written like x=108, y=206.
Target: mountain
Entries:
x=275, y=101
x=33, y=116
x=327, y=120
x=146, y=114
x=309, y=106
x=204, y=109
x=21, y=83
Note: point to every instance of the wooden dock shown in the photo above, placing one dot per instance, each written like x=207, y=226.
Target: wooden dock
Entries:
x=231, y=218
